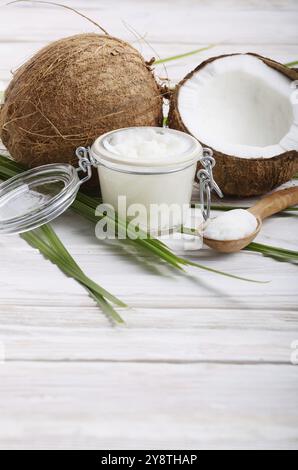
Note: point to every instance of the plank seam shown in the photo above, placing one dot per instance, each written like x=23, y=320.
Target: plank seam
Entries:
x=151, y=361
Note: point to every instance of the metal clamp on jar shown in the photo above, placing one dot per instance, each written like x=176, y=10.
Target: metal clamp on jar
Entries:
x=207, y=183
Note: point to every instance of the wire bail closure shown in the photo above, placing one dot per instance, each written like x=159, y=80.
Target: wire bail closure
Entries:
x=206, y=182
x=85, y=162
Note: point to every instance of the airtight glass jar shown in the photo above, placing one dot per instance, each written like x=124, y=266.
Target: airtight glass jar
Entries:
x=149, y=171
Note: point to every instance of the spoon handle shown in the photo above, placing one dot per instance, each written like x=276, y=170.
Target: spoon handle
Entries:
x=275, y=202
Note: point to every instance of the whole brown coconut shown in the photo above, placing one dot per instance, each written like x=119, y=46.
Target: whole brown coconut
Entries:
x=71, y=92
x=243, y=177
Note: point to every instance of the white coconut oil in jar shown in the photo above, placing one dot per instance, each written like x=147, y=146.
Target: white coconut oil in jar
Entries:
x=151, y=170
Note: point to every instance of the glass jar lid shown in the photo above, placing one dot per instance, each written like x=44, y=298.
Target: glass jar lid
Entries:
x=133, y=150
x=36, y=197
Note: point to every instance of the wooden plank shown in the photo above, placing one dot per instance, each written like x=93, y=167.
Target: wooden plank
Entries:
x=31, y=280
x=73, y=317
x=242, y=5
x=142, y=281
x=184, y=23
x=148, y=406
x=187, y=345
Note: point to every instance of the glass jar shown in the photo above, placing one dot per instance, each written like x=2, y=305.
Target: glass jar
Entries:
x=155, y=189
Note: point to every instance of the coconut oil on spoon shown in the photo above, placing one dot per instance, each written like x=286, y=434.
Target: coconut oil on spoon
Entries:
x=235, y=229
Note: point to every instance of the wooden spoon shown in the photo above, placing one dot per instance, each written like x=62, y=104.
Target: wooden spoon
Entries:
x=267, y=206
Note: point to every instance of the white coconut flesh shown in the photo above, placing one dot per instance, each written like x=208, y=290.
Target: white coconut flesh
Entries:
x=240, y=106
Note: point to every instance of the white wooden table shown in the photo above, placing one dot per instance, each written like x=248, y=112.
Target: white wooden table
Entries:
x=203, y=361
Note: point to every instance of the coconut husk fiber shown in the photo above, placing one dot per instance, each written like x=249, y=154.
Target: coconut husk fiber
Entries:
x=73, y=91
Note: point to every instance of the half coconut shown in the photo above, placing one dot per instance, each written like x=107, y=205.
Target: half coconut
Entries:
x=245, y=108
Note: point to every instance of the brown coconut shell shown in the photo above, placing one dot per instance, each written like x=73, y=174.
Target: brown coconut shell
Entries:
x=239, y=176
x=71, y=92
